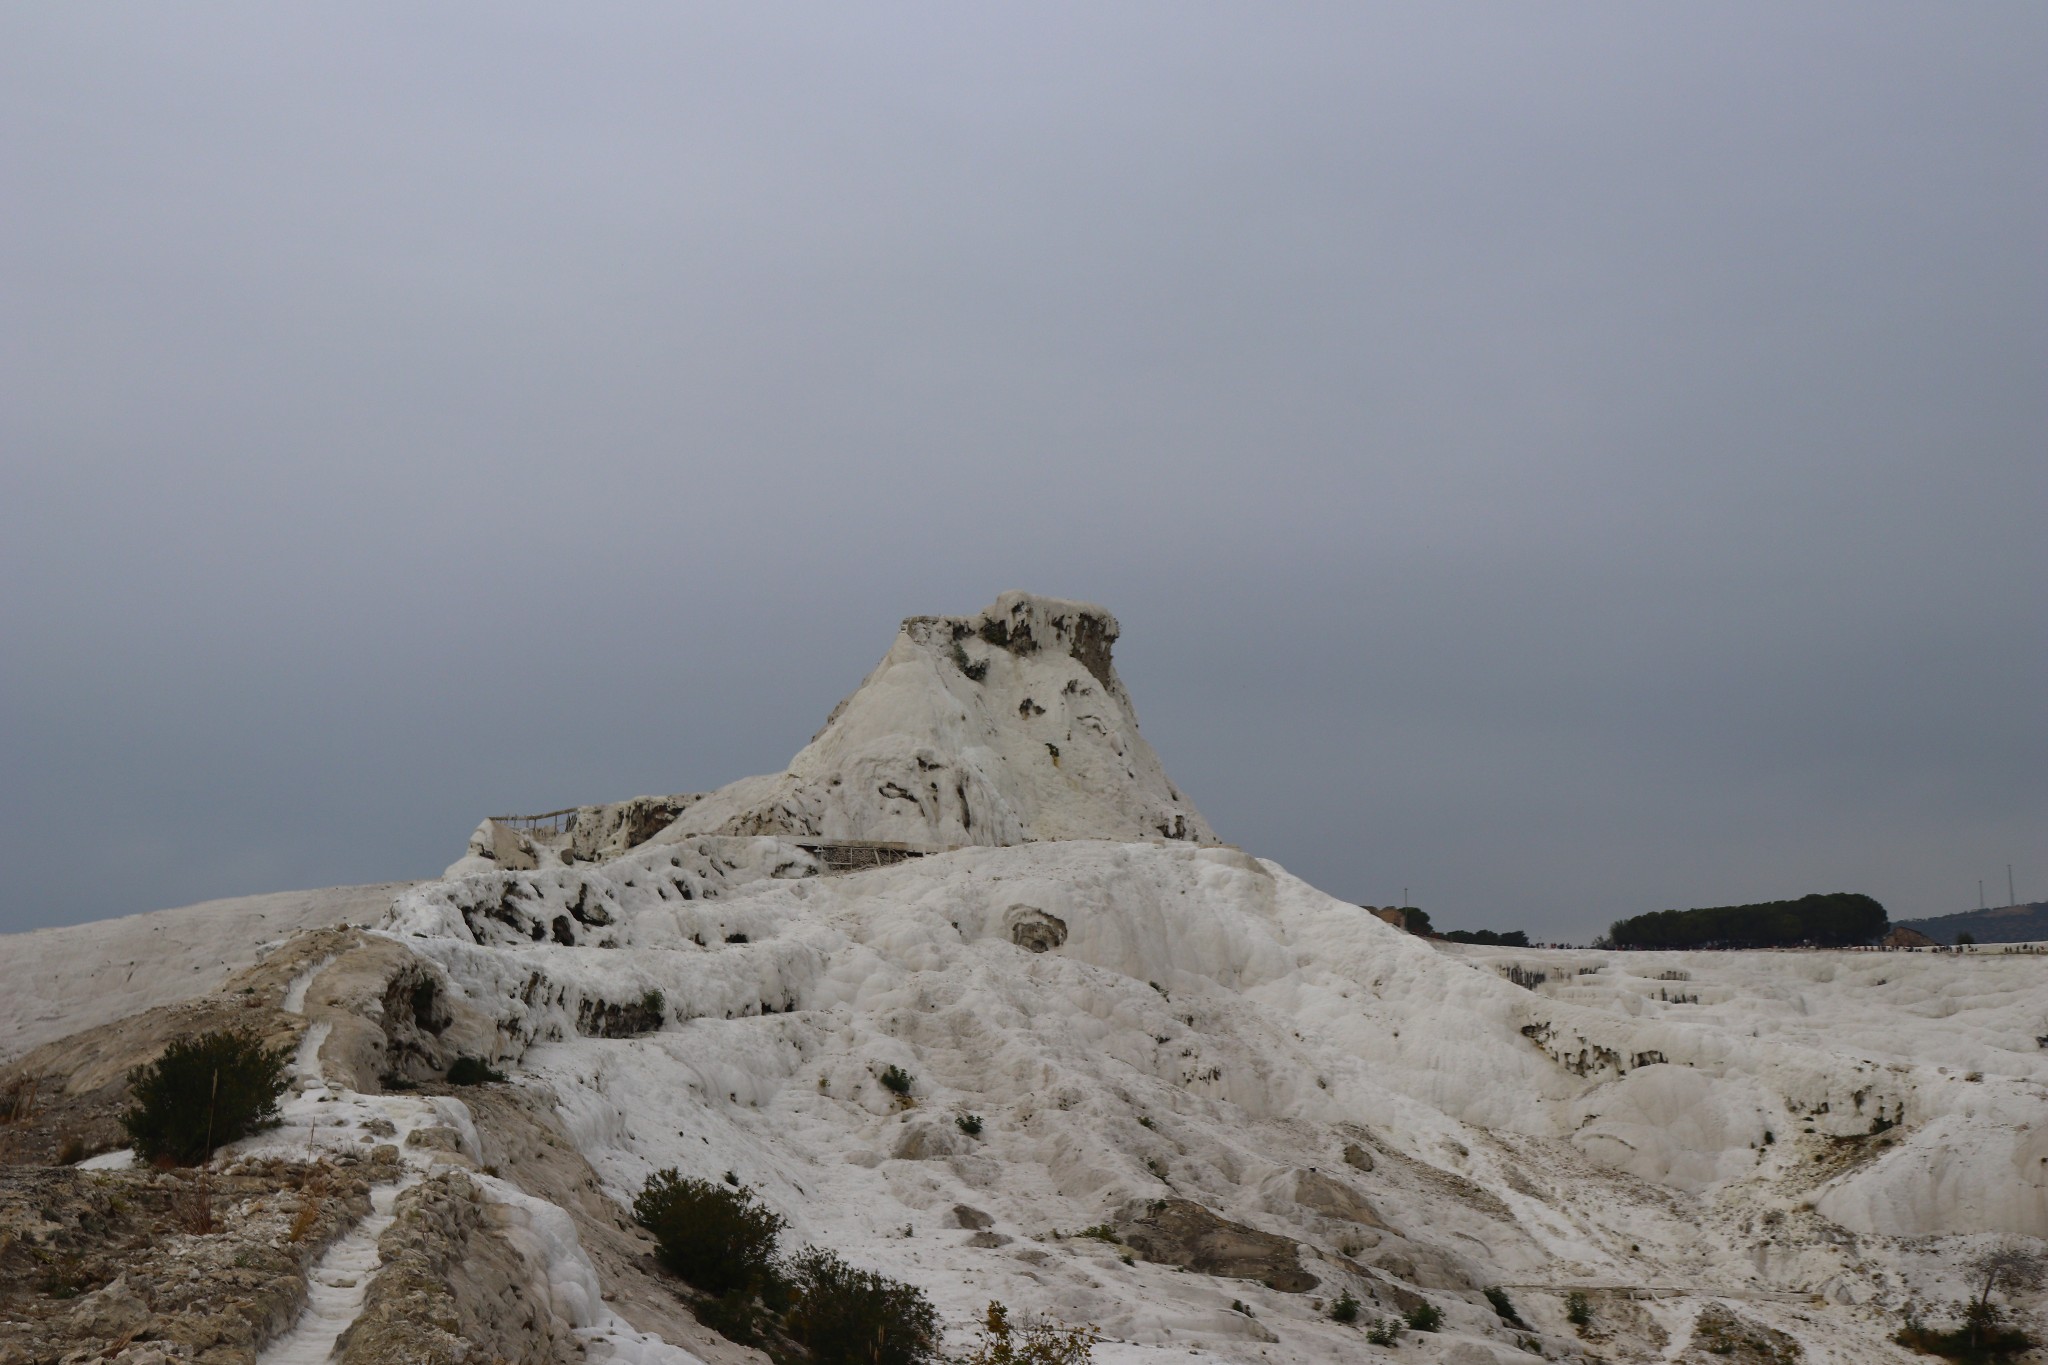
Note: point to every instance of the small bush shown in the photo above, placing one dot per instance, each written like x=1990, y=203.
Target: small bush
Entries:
x=1504, y=1307
x=1578, y=1310
x=1345, y=1309
x=1039, y=1343
x=735, y=1315
x=1970, y=1344
x=969, y=1124
x=896, y=1080
x=1383, y=1331
x=18, y=1101
x=1425, y=1317
x=714, y=1237
x=654, y=1003
x=62, y=1275
x=203, y=1092
x=1101, y=1232
x=71, y=1150
x=846, y=1316
x=473, y=1071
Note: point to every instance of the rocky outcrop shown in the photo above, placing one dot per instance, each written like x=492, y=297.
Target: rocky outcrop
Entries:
x=1183, y=1233
x=452, y=1289
x=588, y=834
x=139, y=1265
x=1005, y=727
x=1721, y=1336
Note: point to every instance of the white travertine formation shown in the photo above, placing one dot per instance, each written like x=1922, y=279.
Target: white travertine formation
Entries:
x=1262, y=1095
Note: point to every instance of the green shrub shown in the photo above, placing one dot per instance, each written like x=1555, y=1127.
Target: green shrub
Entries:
x=473, y=1071
x=969, y=1124
x=1383, y=1331
x=734, y=1315
x=845, y=1316
x=204, y=1092
x=716, y=1238
x=1038, y=1343
x=1425, y=1317
x=1504, y=1307
x=654, y=1003
x=1513, y=938
x=1101, y=1232
x=1345, y=1309
x=1977, y=1342
x=896, y=1080
x=1578, y=1310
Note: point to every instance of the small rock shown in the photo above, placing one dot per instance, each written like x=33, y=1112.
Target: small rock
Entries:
x=114, y=1310
x=439, y=1139
x=1470, y=1353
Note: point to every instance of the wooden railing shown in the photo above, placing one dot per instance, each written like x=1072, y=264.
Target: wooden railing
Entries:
x=553, y=821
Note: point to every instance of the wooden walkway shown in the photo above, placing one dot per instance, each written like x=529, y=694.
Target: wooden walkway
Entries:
x=855, y=855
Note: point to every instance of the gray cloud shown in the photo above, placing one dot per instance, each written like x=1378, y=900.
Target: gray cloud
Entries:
x=1566, y=462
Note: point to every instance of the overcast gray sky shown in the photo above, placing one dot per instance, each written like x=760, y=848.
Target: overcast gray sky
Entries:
x=1566, y=460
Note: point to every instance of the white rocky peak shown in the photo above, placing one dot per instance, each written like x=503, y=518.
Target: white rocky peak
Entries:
x=1006, y=727
x=1009, y=726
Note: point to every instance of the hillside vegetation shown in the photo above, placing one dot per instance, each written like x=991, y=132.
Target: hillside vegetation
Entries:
x=1843, y=919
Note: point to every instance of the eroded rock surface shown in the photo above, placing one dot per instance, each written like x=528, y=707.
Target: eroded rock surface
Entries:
x=1183, y=1233
x=452, y=1289
x=119, y=1265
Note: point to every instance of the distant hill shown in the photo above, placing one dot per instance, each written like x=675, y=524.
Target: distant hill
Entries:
x=2007, y=924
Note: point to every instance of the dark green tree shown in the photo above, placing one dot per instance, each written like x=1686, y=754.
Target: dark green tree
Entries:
x=204, y=1092
x=1837, y=920
x=714, y=1236
x=845, y=1316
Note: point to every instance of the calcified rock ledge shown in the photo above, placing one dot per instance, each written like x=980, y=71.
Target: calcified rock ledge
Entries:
x=1258, y=1097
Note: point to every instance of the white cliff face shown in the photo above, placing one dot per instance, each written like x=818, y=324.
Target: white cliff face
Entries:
x=1007, y=727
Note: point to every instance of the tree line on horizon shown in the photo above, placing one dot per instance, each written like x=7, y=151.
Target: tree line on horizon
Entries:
x=1840, y=919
